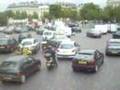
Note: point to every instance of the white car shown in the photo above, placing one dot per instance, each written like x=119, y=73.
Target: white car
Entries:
x=30, y=43
x=67, y=49
x=103, y=28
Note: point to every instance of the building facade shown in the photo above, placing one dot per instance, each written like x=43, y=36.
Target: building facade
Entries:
x=113, y=3
x=30, y=8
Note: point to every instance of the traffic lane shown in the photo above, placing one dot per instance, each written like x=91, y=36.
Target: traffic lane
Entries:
x=63, y=78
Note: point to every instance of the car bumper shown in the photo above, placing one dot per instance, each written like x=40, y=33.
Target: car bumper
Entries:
x=65, y=56
x=93, y=35
x=112, y=53
x=10, y=78
x=83, y=67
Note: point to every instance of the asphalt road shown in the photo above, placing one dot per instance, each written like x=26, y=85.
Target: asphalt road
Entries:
x=63, y=78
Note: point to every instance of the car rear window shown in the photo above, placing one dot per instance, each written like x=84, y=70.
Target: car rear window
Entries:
x=85, y=56
x=66, y=46
x=114, y=43
x=27, y=43
x=3, y=41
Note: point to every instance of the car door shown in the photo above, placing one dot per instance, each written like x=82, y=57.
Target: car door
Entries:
x=27, y=67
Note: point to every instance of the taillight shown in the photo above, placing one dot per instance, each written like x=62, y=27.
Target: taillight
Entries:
x=8, y=46
x=92, y=62
x=19, y=73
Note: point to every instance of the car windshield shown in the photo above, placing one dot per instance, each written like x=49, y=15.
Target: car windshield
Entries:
x=66, y=46
x=3, y=41
x=114, y=43
x=27, y=43
x=84, y=56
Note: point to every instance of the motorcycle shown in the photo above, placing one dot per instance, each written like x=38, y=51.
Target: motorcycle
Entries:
x=49, y=61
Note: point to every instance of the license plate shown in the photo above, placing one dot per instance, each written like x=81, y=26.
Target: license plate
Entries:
x=7, y=78
x=82, y=62
x=114, y=52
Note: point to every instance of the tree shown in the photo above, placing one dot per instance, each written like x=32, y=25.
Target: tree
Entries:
x=35, y=15
x=90, y=11
x=55, y=11
x=3, y=19
x=24, y=15
x=9, y=14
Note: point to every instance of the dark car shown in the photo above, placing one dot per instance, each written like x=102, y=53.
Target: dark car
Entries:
x=113, y=47
x=93, y=33
x=18, y=68
x=89, y=60
x=7, y=44
x=116, y=35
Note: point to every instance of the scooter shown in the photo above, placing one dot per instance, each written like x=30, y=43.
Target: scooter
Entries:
x=49, y=61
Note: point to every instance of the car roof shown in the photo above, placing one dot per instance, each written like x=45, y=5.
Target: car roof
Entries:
x=17, y=58
x=114, y=40
x=87, y=51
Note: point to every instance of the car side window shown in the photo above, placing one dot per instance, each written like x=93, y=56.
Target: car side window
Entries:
x=35, y=41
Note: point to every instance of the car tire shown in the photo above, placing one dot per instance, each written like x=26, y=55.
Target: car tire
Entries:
x=23, y=79
x=96, y=68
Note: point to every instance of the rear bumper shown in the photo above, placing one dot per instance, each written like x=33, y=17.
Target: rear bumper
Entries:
x=83, y=67
x=12, y=78
x=93, y=35
x=65, y=56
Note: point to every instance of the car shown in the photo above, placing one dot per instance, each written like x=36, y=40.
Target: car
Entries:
x=76, y=29
x=30, y=43
x=18, y=68
x=47, y=34
x=116, y=35
x=7, y=44
x=113, y=47
x=9, y=30
x=40, y=30
x=67, y=49
x=88, y=60
x=94, y=33
x=58, y=38
x=21, y=29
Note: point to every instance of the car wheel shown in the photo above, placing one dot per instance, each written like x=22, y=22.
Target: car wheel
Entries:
x=23, y=79
x=96, y=68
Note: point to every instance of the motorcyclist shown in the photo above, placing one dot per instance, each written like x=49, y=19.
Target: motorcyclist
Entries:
x=50, y=50
x=29, y=36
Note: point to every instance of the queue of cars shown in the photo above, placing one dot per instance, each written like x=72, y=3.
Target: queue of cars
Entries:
x=18, y=68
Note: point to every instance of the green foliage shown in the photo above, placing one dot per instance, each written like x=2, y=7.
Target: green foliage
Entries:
x=90, y=11
x=9, y=14
x=3, y=19
x=55, y=11
x=35, y=15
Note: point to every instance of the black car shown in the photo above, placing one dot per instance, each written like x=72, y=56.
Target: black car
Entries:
x=113, y=47
x=116, y=35
x=7, y=44
x=90, y=60
x=18, y=68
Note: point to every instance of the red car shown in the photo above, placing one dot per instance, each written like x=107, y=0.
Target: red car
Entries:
x=7, y=44
x=18, y=68
x=89, y=60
